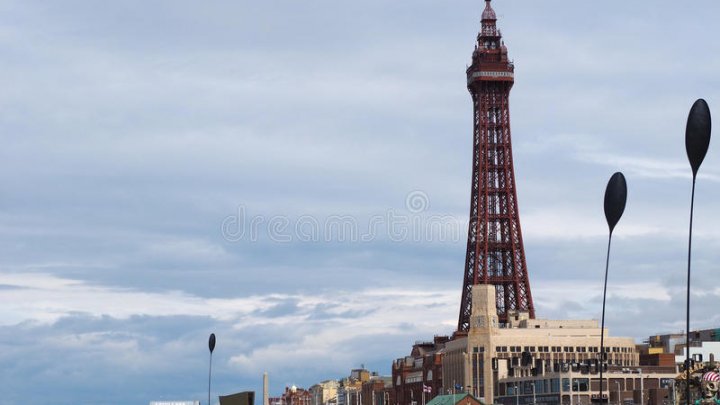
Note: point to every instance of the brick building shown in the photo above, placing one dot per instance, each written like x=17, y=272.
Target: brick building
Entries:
x=296, y=396
x=420, y=373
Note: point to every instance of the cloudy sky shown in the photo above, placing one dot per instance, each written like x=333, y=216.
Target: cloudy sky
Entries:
x=294, y=176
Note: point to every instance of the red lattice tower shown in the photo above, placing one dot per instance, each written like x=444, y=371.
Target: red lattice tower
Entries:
x=495, y=253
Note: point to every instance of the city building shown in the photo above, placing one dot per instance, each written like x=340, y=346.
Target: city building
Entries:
x=703, y=344
x=578, y=384
x=350, y=389
x=295, y=396
x=325, y=393
x=419, y=374
x=522, y=347
x=378, y=390
x=700, y=351
x=675, y=342
x=241, y=398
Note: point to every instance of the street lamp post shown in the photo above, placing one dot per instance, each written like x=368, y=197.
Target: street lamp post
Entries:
x=533, y=389
x=517, y=397
x=211, y=346
x=614, y=206
x=617, y=383
x=642, y=388
x=697, y=140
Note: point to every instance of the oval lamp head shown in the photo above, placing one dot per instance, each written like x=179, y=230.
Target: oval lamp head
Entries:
x=615, y=198
x=697, y=134
x=211, y=342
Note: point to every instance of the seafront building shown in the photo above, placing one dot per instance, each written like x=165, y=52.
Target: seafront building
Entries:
x=522, y=347
x=578, y=384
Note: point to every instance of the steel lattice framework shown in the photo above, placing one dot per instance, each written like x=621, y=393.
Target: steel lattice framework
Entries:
x=495, y=253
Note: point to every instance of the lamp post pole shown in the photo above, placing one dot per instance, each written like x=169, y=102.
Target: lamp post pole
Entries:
x=211, y=346
x=534, y=398
x=697, y=140
x=617, y=383
x=642, y=388
x=614, y=206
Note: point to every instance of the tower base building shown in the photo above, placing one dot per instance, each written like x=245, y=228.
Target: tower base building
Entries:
x=522, y=347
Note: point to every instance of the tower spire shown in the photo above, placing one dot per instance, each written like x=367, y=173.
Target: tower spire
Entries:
x=488, y=31
x=488, y=13
x=495, y=253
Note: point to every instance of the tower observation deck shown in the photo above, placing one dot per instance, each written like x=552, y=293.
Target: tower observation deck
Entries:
x=495, y=253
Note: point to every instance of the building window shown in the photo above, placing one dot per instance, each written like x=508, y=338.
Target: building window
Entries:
x=566, y=384
x=580, y=385
x=555, y=385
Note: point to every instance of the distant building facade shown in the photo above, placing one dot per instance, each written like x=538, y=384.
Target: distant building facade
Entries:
x=240, y=398
x=419, y=374
x=377, y=391
x=704, y=345
x=350, y=389
x=295, y=396
x=325, y=393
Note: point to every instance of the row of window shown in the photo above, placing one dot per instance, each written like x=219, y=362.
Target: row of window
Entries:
x=556, y=349
x=547, y=386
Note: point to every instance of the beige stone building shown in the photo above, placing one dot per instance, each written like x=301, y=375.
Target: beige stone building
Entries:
x=522, y=347
x=324, y=393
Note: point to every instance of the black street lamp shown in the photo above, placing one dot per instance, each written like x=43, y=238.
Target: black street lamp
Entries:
x=211, y=346
x=697, y=140
x=614, y=205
